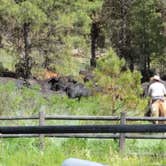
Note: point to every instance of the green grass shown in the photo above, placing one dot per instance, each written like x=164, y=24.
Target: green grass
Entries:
x=25, y=152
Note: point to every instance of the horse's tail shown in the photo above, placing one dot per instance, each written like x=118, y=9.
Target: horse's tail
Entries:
x=162, y=110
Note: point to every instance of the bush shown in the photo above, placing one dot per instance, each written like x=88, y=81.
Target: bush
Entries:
x=122, y=89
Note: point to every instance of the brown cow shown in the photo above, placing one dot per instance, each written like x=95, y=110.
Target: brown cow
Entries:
x=48, y=74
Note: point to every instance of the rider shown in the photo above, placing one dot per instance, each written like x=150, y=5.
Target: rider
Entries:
x=156, y=90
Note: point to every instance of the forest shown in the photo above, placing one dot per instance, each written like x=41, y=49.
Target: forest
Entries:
x=50, y=33
x=110, y=47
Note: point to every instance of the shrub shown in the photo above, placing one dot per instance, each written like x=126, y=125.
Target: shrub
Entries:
x=122, y=89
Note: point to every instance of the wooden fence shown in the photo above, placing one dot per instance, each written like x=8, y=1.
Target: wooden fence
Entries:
x=122, y=131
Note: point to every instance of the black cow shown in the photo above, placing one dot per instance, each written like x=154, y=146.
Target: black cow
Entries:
x=61, y=83
x=72, y=88
x=77, y=90
x=87, y=75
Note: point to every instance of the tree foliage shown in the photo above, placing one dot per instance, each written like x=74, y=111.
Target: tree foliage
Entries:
x=136, y=30
x=50, y=28
x=121, y=87
x=65, y=35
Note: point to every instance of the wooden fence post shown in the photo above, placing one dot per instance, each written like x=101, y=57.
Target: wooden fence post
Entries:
x=41, y=123
x=122, y=135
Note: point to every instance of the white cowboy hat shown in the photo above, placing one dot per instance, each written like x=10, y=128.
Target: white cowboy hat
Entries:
x=156, y=77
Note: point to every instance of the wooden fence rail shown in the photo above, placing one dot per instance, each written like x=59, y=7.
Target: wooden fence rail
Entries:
x=90, y=131
x=97, y=118
x=89, y=136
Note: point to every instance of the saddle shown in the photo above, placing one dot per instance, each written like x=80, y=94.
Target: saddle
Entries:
x=160, y=99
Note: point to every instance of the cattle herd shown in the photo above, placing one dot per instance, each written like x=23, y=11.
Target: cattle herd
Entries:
x=62, y=84
x=53, y=82
x=71, y=87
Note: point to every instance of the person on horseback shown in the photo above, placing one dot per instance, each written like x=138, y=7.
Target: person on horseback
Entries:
x=156, y=90
x=157, y=93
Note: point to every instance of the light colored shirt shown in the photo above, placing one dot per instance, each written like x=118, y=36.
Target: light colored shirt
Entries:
x=157, y=89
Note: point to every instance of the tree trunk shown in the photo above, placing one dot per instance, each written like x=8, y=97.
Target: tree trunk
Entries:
x=27, y=45
x=94, y=36
x=123, y=28
x=1, y=45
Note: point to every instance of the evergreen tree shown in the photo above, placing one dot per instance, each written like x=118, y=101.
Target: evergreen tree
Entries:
x=135, y=30
x=21, y=17
x=116, y=14
x=69, y=26
x=148, y=39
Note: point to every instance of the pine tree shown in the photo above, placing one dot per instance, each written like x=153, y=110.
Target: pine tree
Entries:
x=148, y=39
x=135, y=30
x=21, y=17
x=116, y=14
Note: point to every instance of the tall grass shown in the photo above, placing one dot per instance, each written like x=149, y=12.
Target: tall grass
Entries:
x=25, y=152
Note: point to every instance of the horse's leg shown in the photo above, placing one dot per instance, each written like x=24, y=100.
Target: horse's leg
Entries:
x=163, y=111
x=155, y=111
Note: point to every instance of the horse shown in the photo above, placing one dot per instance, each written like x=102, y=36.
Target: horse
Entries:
x=158, y=109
